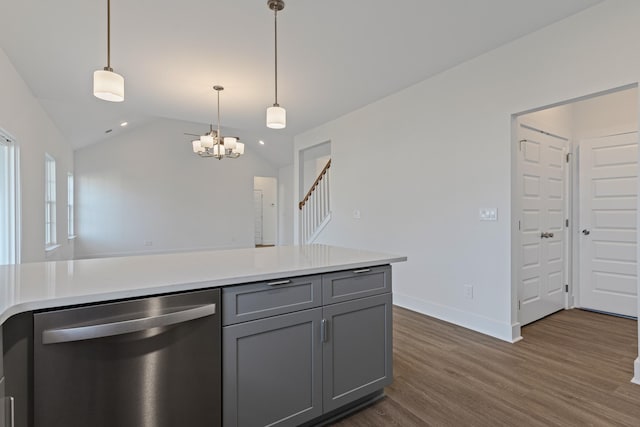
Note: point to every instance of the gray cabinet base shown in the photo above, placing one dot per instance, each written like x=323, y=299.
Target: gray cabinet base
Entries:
x=347, y=410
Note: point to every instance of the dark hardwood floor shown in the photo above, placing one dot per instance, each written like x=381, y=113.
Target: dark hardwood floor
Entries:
x=572, y=369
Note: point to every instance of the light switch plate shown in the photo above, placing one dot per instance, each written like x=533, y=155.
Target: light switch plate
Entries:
x=356, y=214
x=488, y=214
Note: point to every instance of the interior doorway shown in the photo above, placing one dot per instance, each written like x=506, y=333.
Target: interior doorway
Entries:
x=597, y=239
x=265, y=198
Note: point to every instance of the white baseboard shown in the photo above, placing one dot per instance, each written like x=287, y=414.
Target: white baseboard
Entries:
x=636, y=372
x=475, y=322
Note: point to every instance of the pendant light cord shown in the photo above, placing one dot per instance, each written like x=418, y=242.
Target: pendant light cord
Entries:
x=109, y=34
x=275, y=24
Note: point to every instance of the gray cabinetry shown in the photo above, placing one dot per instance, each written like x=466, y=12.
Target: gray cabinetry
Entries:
x=306, y=347
x=6, y=402
x=259, y=300
x=273, y=370
x=357, y=352
x=2, y=393
x=351, y=284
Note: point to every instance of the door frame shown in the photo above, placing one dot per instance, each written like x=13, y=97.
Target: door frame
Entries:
x=516, y=256
x=572, y=212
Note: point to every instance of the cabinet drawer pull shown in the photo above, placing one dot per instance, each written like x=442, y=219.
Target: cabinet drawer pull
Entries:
x=280, y=282
x=364, y=270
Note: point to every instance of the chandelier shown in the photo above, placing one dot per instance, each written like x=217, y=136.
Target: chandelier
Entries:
x=213, y=144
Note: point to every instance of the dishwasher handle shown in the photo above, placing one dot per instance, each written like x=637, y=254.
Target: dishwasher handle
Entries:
x=56, y=336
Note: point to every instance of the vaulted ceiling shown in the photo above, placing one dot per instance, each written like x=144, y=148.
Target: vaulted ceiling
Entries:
x=334, y=57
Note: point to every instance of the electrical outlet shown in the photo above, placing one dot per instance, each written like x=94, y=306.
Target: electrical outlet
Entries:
x=468, y=291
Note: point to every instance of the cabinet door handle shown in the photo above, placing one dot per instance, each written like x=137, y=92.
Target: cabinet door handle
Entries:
x=364, y=270
x=280, y=282
x=323, y=330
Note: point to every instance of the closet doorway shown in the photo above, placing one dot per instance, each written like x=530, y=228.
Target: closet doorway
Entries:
x=575, y=223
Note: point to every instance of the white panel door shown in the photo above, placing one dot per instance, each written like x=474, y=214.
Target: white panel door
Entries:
x=608, y=197
x=257, y=208
x=542, y=179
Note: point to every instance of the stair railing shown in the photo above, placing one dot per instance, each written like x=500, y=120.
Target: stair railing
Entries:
x=315, y=209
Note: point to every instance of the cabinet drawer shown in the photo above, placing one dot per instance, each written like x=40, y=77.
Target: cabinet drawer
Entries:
x=259, y=300
x=358, y=283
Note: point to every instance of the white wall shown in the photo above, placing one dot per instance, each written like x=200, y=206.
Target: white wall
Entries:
x=269, y=188
x=606, y=115
x=287, y=206
x=145, y=191
x=22, y=116
x=422, y=199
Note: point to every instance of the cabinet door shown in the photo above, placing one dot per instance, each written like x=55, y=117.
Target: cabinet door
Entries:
x=358, y=349
x=272, y=370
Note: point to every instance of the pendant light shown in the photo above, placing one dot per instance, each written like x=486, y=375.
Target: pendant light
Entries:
x=108, y=85
x=276, y=115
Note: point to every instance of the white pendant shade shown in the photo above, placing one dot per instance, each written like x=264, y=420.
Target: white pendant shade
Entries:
x=276, y=117
x=239, y=148
x=197, y=146
x=230, y=142
x=218, y=150
x=108, y=86
x=206, y=141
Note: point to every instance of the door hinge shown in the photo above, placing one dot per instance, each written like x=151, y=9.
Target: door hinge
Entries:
x=518, y=304
x=566, y=223
x=521, y=141
x=519, y=226
x=568, y=157
x=566, y=287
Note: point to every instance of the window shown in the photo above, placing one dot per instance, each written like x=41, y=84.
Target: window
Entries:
x=50, y=239
x=9, y=218
x=71, y=230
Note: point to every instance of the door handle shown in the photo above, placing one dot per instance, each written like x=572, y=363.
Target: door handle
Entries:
x=586, y=232
x=546, y=235
x=55, y=336
x=280, y=282
x=323, y=331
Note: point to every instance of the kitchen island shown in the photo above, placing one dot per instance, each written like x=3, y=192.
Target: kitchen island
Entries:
x=320, y=313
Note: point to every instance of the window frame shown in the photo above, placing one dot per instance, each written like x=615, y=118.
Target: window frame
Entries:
x=71, y=217
x=50, y=223
x=10, y=198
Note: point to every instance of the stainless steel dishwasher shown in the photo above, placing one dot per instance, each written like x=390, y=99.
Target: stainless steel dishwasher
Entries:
x=150, y=362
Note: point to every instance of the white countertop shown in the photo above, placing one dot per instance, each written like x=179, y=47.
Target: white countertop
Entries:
x=34, y=286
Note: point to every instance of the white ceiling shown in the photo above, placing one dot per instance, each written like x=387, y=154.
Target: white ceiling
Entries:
x=334, y=57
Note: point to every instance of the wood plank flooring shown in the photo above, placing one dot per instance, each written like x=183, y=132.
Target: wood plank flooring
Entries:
x=572, y=369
